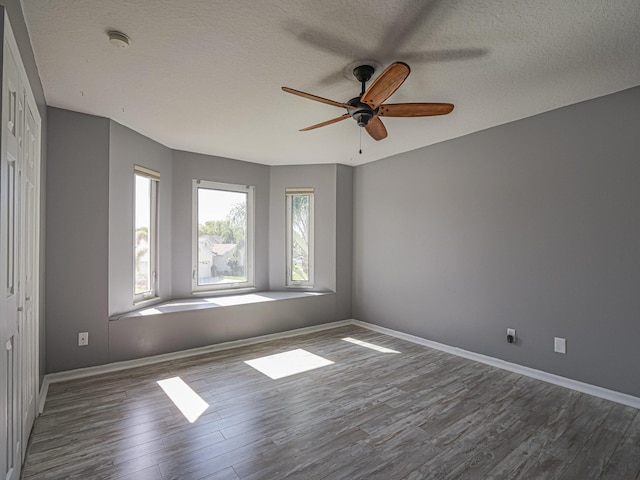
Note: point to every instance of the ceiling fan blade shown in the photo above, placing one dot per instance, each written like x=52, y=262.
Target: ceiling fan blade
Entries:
x=328, y=122
x=376, y=128
x=414, y=109
x=387, y=83
x=316, y=98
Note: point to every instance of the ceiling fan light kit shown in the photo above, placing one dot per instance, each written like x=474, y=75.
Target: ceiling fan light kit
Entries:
x=367, y=108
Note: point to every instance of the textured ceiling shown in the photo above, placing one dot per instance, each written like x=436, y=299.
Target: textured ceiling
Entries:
x=205, y=75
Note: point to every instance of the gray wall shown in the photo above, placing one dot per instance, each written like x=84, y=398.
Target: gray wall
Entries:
x=77, y=239
x=89, y=268
x=323, y=179
x=344, y=240
x=189, y=166
x=128, y=148
x=135, y=337
x=16, y=18
x=532, y=225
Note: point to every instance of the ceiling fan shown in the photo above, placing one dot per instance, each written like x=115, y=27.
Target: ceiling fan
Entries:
x=367, y=108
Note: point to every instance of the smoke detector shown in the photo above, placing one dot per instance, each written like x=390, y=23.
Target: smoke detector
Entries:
x=118, y=39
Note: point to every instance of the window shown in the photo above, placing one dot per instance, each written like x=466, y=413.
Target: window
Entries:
x=145, y=234
x=223, y=236
x=299, y=237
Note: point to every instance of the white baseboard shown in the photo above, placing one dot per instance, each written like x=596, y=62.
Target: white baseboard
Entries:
x=594, y=390
x=42, y=396
x=139, y=362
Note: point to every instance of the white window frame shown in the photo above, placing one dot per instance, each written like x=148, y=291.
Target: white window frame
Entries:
x=154, y=177
x=250, y=191
x=289, y=194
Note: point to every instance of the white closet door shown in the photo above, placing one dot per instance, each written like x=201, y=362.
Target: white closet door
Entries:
x=28, y=326
x=19, y=266
x=10, y=214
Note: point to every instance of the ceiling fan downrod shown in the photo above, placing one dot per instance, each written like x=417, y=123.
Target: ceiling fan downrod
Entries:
x=362, y=112
x=363, y=74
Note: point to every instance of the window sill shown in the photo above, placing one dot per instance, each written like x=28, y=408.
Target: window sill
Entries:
x=145, y=302
x=184, y=305
x=220, y=293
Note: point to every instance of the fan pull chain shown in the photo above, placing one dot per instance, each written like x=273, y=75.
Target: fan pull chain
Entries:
x=360, y=140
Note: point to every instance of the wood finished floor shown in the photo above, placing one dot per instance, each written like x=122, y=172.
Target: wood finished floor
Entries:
x=416, y=414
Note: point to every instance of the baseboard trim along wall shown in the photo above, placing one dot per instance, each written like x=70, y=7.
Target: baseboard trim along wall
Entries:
x=140, y=362
x=596, y=391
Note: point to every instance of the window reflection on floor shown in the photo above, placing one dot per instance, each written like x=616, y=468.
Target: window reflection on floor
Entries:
x=372, y=346
x=288, y=363
x=184, y=397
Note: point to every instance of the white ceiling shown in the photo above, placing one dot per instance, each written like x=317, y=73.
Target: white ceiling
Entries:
x=205, y=75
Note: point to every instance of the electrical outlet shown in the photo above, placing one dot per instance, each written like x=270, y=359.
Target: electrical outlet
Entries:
x=560, y=345
x=511, y=335
x=83, y=339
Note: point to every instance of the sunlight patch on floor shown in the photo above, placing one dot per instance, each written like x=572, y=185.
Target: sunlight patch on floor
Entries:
x=288, y=363
x=372, y=346
x=184, y=397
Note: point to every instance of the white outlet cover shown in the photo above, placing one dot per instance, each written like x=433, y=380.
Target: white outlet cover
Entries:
x=560, y=345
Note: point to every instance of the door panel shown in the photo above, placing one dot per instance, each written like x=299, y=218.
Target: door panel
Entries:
x=28, y=328
x=10, y=214
x=11, y=455
x=19, y=255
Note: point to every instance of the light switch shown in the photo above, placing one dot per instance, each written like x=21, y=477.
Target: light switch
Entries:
x=560, y=345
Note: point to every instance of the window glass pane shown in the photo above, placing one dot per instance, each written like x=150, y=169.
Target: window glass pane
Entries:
x=222, y=237
x=142, y=240
x=300, y=231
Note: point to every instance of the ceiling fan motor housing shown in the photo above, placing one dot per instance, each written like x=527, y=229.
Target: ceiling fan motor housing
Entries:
x=361, y=112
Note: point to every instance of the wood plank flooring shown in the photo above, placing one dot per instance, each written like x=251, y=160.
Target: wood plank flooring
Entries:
x=416, y=414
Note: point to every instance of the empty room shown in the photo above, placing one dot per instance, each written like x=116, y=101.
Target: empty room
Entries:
x=320, y=240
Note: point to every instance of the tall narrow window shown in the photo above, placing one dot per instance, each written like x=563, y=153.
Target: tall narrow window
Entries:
x=145, y=234
x=299, y=237
x=223, y=236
